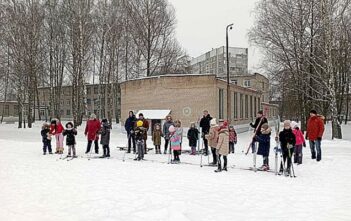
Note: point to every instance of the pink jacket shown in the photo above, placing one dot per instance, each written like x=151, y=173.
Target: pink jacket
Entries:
x=299, y=137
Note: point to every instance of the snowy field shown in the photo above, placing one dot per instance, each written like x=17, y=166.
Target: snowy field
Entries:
x=37, y=187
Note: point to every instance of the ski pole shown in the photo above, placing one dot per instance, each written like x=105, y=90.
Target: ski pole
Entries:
x=292, y=165
x=201, y=153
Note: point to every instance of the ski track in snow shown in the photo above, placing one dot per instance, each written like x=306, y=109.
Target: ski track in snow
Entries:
x=37, y=187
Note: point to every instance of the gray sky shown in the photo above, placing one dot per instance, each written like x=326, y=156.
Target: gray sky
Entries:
x=201, y=25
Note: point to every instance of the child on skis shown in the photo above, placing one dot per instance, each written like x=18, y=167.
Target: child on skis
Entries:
x=70, y=132
x=56, y=129
x=232, y=139
x=287, y=142
x=212, y=138
x=222, y=147
x=105, y=138
x=140, y=133
x=156, y=138
x=193, y=137
x=176, y=140
x=46, y=138
x=264, y=145
x=300, y=141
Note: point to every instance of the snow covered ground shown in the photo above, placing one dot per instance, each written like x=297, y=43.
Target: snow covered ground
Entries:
x=37, y=187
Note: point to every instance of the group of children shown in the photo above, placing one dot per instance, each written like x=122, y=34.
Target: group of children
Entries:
x=56, y=129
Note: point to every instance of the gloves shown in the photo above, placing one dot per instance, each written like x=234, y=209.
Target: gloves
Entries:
x=235, y=142
x=319, y=138
x=304, y=144
x=289, y=146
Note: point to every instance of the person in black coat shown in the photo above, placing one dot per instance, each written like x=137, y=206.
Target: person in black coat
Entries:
x=105, y=137
x=46, y=138
x=287, y=142
x=193, y=136
x=264, y=142
x=260, y=120
x=70, y=132
x=205, y=126
x=129, y=127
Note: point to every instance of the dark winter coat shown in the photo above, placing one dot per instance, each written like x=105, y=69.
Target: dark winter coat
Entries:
x=258, y=123
x=129, y=124
x=264, y=142
x=140, y=133
x=193, y=136
x=205, y=124
x=92, y=128
x=105, y=134
x=44, y=134
x=156, y=137
x=165, y=129
x=287, y=137
x=70, y=139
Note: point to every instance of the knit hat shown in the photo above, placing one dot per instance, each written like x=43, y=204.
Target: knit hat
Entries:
x=92, y=116
x=104, y=120
x=69, y=123
x=213, y=122
x=53, y=122
x=139, y=123
x=171, y=129
x=287, y=123
x=313, y=112
x=293, y=124
x=224, y=125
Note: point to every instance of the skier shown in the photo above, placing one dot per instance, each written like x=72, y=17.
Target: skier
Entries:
x=193, y=137
x=46, y=138
x=315, y=130
x=232, y=139
x=300, y=141
x=176, y=140
x=140, y=133
x=91, y=132
x=260, y=120
x=287, y=142
x=165, y=130
x=223, y=146
x=156, y=138
x=56, y=129
x=129, y=127
x=212, y=140
x=105, y=138
x=205, y=126
x=70, y=132
x=146, y=128
x=264, y=145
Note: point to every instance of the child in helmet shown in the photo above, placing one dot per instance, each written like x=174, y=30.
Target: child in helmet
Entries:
x=46, y=138
x=140, y=133
x=70, y=132
x=156, y=138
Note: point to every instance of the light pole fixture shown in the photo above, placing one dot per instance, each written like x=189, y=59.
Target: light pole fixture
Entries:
x=229, y=27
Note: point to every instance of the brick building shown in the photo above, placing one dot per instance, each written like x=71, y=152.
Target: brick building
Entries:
x=188, y=95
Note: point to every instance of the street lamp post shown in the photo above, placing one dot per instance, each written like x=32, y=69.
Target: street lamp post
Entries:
x=229, y=27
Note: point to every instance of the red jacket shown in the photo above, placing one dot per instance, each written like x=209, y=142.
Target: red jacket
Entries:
x=299, y=137
x=315, y=128
x=92, y=128
x=56, y=129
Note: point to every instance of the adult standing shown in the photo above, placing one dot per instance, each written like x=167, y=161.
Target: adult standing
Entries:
x=315, y=130
x=91, y=131
x=205, y=126
x=146, y=127
x=129, y=127
x=260, y=120
x=165, y=130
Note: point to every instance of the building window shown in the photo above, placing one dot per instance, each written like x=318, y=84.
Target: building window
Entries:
x=88, y=90
x=68, y=112
x=61, y=112
x=247, y=83
x=96, y=90
x=235, y=82
x=255, y=105
x=221, y=105
x=241, y=106
x=7, y=110
x=259, y=103
x=246, y=106
x=68, y=102
x=235, y=102
x=42, y=112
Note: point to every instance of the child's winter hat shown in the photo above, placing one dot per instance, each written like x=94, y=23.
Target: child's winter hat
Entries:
x=213, y=122
x=287, y=123
x=139, y=123
x=265, y=126
x=293, y=124
x=69, y=123
x=104, y=120
x=53, y=122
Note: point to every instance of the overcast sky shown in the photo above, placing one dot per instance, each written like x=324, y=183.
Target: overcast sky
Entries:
x=201, y=25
